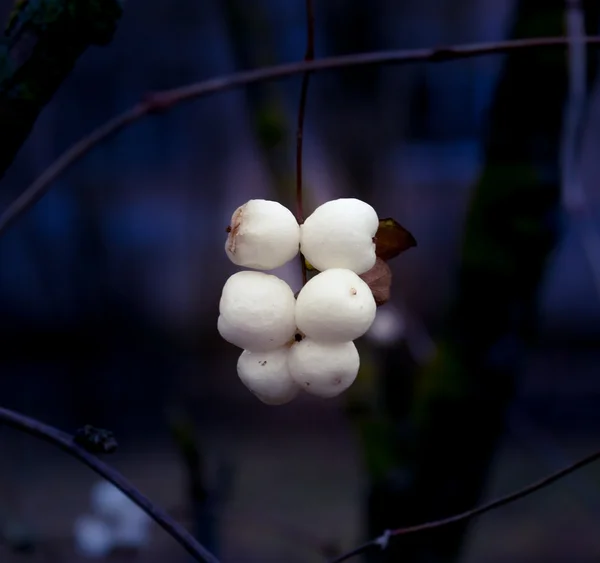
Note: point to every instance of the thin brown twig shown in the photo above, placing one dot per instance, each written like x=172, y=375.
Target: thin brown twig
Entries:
x=67, y=444
x=308, y=56
x=165, y=100
x=382, y=541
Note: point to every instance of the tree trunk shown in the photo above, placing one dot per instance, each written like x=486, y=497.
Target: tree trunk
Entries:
x=460, y=398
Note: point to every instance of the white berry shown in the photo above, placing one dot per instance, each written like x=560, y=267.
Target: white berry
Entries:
x=108, y=501
x=335, y=306
x=93, y=537
x=256, y=311
x=267, y=375
x=132, y=530
x=263, y=235
x=321, y=369
x=340, y=234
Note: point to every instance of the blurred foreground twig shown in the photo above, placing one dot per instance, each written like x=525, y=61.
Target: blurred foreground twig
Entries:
x=67, y=444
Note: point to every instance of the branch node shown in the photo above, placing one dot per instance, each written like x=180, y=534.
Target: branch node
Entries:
x=95, y=440
x=157, y=102
x=442, y=54
x=383, y=540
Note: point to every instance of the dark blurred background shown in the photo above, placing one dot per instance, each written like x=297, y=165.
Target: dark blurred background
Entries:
x=479, y=376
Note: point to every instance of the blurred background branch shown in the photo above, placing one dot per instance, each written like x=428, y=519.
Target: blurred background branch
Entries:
x=162, y=101
x=382, y=541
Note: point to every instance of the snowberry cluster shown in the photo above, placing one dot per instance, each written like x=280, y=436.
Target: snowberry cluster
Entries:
x=306, y=342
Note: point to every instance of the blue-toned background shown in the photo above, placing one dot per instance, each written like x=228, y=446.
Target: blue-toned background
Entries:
x=109, y=287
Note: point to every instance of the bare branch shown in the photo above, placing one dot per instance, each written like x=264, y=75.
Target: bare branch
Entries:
x=165, y=100
x=67, y=444
x=381, y=542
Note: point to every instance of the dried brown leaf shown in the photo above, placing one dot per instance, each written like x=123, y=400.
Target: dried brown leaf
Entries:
x=379, y=279
x=392, y=239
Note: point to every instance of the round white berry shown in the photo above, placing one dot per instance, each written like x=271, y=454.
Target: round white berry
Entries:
x=93, y=537
x=107, y=500
x=335, y=306
x=323, y=369
x=132, y=530
x=267, y=375
x=340, y=234
x=263, y=235
x=256, y=311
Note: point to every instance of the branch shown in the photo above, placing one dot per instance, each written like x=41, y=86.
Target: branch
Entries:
x=67, y=444
x=308, y=56
x=165, y=100
x=382, y=541
x=40, y=45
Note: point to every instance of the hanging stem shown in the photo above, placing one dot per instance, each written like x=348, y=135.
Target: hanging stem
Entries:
x=308, y=56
